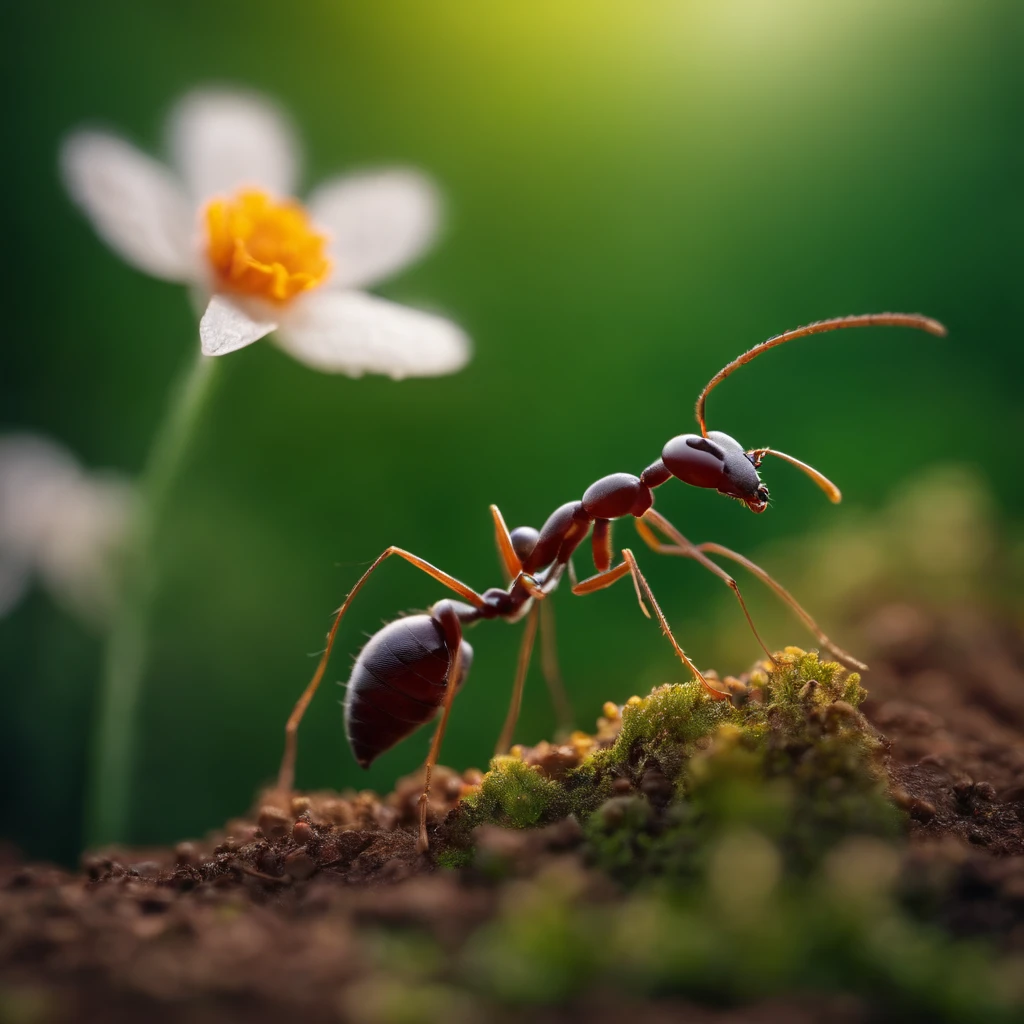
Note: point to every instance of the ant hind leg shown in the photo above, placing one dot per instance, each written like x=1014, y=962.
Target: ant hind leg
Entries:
x=453, y=630
x=286, y=773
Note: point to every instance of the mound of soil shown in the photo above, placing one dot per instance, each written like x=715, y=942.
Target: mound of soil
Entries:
x=289, y=914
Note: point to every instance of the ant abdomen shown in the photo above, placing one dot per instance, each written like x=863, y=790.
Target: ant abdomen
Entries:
x=398, y=683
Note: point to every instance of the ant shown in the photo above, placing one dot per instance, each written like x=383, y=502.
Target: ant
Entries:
x=414, y=666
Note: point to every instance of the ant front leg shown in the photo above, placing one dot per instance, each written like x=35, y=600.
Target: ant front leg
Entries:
x=286, y=774
x=552, y=673
x=643, y=589
x=681, y=546
x=699, y=552
x=789, y=599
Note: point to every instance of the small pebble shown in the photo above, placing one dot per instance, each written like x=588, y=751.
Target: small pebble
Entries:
x=921, y=810
x=300, y=866
x=985, y=791
x=185, y=854
x=274, y=823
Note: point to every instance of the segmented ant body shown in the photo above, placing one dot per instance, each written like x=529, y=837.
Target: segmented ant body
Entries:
x=412, y=668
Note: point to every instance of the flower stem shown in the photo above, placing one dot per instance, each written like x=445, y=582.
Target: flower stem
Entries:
x=126, y=652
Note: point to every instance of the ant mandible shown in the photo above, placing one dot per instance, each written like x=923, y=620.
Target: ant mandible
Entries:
x=414, y=666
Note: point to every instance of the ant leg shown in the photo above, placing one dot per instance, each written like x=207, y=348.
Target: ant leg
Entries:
x=522, y=667
x=643, y=589
x=787, y=597
x=683, y=547
x=552, y=673
x=509, y=559
x=453, y=635
x=601, y=544
x=286, y=774
x=689, y=550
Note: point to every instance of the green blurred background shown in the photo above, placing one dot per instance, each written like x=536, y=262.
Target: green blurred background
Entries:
x=636, y=193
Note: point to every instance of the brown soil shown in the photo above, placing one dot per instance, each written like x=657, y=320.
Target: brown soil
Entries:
x=948, y=692
x=279, y=916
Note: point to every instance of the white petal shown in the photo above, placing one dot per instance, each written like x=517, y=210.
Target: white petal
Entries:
x=60, y=522
x=33, y=470
x=134, y=203
x=14, y=579
x=353, y=333
x=226, y=328
x=222, y=139
x=378, y=222
x=80, y=561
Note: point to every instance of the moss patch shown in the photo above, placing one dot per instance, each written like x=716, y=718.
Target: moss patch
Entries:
x=514, y=794
x=759, y=846
x=665, y=774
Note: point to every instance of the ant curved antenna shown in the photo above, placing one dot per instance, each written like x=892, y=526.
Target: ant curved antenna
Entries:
x=915, y=320
x=831, y=491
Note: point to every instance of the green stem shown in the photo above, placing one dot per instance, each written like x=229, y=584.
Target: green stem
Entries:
x=125, y=660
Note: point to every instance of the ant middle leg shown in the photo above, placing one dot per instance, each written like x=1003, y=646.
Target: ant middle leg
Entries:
x=551, y=671
x=513, y=567
x=286, y=773
x=643, y=590
x=681, y=546
x=522, y=668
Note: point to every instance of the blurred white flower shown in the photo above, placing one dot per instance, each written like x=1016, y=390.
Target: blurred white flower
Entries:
x=59, y=524
x=261, y=262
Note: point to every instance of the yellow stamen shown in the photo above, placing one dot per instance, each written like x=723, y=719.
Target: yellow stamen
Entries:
x=264, y=247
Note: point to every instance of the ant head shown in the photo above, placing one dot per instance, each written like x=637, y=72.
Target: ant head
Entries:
x=714, y=459
x=718, y=461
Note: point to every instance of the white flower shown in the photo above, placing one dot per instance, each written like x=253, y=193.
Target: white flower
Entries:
x=60, y=524
x=226, y=226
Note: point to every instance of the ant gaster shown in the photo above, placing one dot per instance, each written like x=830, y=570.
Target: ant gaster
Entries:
x=414, y=666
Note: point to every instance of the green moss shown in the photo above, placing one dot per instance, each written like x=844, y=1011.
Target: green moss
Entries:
x=454, y=857
x=744, y=932
x=619, y=836
x=758, y=847
x=514, y=795
x=796, y=762
x=661, y=730
x=545, y=954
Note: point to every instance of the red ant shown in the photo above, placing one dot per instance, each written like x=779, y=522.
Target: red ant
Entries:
x=414, y=666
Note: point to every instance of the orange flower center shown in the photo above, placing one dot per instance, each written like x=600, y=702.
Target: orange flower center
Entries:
x=264, y=247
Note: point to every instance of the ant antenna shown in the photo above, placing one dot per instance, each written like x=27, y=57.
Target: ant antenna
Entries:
x=831, y=491
x=915, y=320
